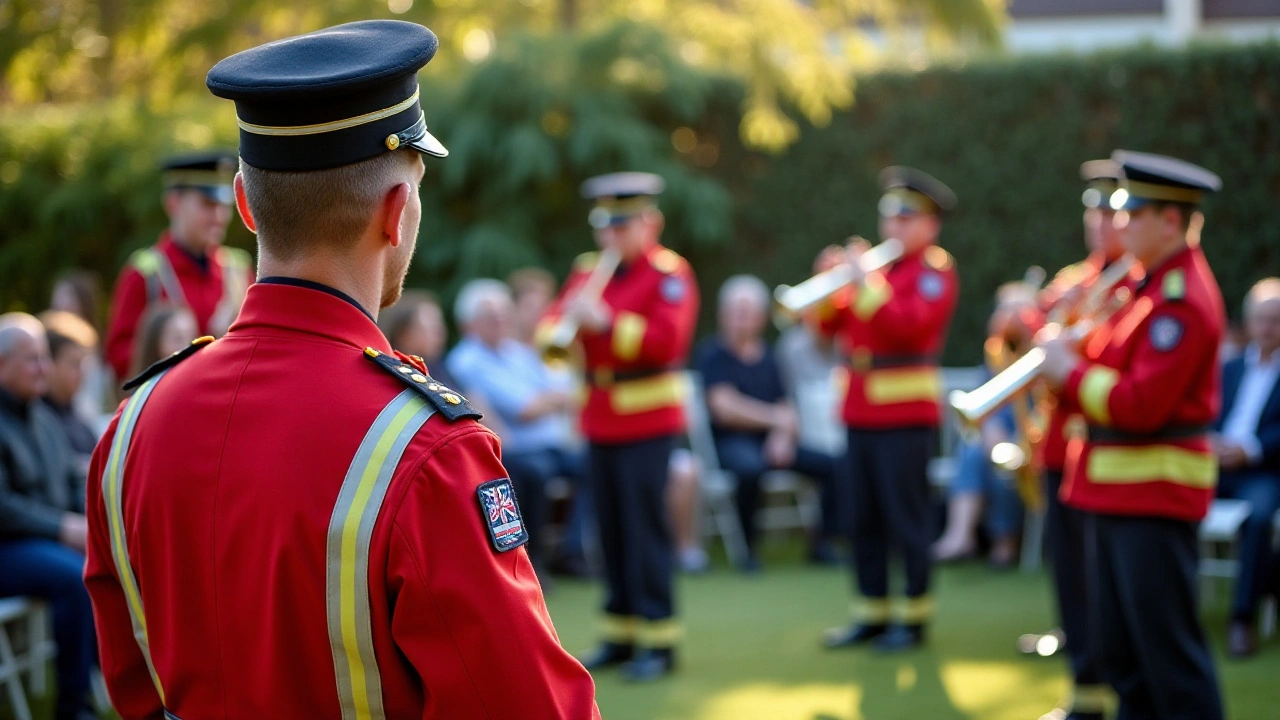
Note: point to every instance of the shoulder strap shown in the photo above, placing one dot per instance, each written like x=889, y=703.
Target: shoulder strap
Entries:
x=450, y=403
x=163, y=365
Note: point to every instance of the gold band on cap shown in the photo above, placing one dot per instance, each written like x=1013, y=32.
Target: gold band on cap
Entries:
x=625, y=206
x=196, y=178
x=1168, y=193
x=334, y=126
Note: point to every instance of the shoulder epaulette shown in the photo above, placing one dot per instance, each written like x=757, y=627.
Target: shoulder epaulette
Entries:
x=937, y=258
x=449, y=403
x=667, y=261
x=160, y=366
x=586, y=261
x=1174, y=286
x=145, y=261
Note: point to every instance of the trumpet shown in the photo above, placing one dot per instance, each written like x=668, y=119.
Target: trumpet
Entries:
x=975, y=407
x=791, y=302
x=1096, y=295
x=563, y=334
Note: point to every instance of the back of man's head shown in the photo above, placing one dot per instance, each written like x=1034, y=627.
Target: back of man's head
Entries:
x=296, y=212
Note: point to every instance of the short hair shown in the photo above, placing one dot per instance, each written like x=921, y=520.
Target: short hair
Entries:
x=66, y=329
x=394, y=320
x=295, y=211
x=16, y=325
x=1262, y=291
x=474, y=294
x=748, y=285
x=529, y=279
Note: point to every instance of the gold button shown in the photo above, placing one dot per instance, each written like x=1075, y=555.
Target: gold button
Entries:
x=418, y=378
x=435, y=387
x=393, y=142
x=452, y=399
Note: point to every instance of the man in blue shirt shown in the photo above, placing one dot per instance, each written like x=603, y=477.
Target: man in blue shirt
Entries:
x=532, y=403
x=754, y=424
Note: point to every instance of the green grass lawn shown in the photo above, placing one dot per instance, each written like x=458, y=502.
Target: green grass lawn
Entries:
x=751, y=652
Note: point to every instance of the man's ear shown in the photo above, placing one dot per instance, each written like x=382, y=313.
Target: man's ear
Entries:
x=393, y=205
x=242, y=204
x=170, y=199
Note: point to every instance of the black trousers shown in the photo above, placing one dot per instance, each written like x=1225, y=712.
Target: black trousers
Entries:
x=630, y=482
x=1064, y=541
x=890, y=482
x=1151, y=647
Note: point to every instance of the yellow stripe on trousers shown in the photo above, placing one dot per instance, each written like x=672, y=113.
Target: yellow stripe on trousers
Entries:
x=347, y=553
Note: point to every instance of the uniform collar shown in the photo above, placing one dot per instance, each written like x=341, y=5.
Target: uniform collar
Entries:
x=313, y=285
x=306, y=310
x=1174, y=261
x=178, y=253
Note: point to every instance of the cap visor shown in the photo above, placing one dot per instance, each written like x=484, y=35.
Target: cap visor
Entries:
x=429, y=145
x=218, y=193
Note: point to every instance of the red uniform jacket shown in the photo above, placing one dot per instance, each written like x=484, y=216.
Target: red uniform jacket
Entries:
x=892, y=329
x=1064, y=416
x=636, y=390
x=269, y=579
x=146, y=279
x=1149, y=389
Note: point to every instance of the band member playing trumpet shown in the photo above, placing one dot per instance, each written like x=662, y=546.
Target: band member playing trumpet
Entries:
x=1144, y=470
x=892, y=324
x=635, y=326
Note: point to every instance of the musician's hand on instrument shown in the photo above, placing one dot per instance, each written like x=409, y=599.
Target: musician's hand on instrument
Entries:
x=1060, y=357
x=831, y=256
x=592, y=314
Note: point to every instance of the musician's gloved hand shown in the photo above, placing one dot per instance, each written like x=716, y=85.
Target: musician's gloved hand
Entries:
x=1060, y=356
x=592, y=314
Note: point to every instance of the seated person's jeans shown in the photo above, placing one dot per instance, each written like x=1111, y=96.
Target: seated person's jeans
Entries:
x=530, y=472
x=743, y=455
x=1257, y=560
x=976, y=475
x=50, y=571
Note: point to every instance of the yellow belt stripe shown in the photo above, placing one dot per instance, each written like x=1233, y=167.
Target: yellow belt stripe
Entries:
x=628, y=397
x=1149, y=463
x=885, y=387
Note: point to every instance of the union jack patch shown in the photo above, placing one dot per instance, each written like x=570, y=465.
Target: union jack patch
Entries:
x=502, y=515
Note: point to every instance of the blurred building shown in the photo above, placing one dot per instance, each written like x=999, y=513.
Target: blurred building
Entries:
x=1084, y=25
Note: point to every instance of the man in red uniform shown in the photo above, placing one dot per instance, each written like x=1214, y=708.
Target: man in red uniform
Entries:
x=295, y=521
x=189, y=267
x=892, y=326
x=635, y=337
x=1147, y=385
x=1064, y=526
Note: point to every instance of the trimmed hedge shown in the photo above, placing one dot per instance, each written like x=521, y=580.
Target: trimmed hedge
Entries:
x=78, y=186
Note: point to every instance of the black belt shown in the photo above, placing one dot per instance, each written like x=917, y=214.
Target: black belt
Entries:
x=1099, y=434
x=606, y=376
x=866, y=361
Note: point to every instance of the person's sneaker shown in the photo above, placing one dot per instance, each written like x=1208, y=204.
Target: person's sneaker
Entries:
x=693, y=560
x=852, y=635
x=1242, y=641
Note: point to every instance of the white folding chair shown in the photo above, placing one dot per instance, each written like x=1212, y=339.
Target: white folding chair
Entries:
x=717, y=484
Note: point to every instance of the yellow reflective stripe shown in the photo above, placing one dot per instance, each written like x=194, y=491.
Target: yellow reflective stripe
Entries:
x=636, y=396
x=112, y=498
x=628, y=333
x=872, y=296
x=870, y=610
x=659, y=633
x=916, y=610
x=316, y=129
x=622, y=629
x=1095, y=392
x=1149, y=463
x=1089, y=698
x=897, y=385
x=351, y=526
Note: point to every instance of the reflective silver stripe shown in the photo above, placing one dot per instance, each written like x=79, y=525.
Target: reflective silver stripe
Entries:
x=169, y=281
x=347, y=554
x=112, y=493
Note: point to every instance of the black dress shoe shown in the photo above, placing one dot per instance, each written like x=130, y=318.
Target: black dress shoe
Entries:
x=608, y=655
x=901, y=637
x=851, y=635
x=650, y=664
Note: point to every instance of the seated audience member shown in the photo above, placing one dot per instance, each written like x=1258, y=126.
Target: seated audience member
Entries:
x=42, y=523
x=72, y=342
x=516, y=385
x=79, y=293
x=1247, y=442
x=754, y=424
x=532, y=290
x=163, y=330
x=415, y=326
x=980, y=492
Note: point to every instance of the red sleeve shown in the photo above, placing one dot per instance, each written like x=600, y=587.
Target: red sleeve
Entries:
x=907, y=317
x=663, y=334
x=123, y=668
x=469, y=619
x=128, y=302
x=1144, y=397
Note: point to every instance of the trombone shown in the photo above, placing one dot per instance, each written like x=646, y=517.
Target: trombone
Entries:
x=559, y=344
x=791, y=302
